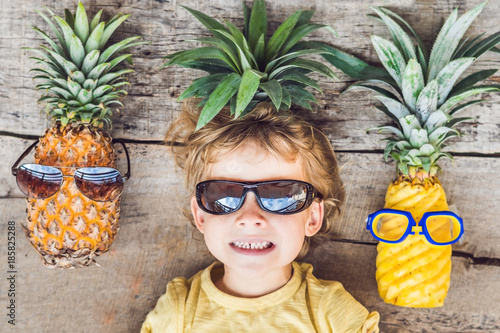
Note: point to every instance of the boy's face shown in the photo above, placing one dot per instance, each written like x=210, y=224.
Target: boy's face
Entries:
x=282, y=235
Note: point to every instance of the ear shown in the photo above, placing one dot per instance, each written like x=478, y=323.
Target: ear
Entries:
x=315, y=220
x=198, y=214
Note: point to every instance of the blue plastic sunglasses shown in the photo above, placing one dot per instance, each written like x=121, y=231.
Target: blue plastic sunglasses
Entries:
x=393, y=226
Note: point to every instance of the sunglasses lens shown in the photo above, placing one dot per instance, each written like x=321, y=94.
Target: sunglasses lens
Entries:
x=283, y=196
x=443, y=229
x=390, y=227
x=99, y=183
x=219, y=197
x=38, y=181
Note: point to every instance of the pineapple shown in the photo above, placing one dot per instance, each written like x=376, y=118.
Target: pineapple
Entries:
x=80, y=84
x=428, y=98
x=245, y=68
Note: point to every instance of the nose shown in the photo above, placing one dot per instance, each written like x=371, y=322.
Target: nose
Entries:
x=250, y=214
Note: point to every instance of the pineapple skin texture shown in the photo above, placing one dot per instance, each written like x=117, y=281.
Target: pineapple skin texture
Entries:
x=69, y=230
x=414, y=273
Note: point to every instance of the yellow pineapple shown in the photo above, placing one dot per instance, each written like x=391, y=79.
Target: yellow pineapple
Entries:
x=81, y=84
x=415, y=273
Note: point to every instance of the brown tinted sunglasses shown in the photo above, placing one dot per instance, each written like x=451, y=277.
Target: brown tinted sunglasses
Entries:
x=39, y=181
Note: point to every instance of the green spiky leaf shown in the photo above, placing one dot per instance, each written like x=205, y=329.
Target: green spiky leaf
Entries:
x=418, y=137
x=274, y=91
x=408, y=123
x=223, y=46
x=245, y=57
x=95, y=38
x=206, y=20
x=396, y=108
x=219, y=98
x=95, y=20
x=365, y=85
x=389, y=129
x=305, y=64
x=483, y=46
x=280, y=36
x=352, y=66
x=400, y=38
x=427, y=101
x=412, y=83
x=465, y=105
x=257, y=24
x=437, y=137
x=449, y=75
x=300, y=96
x=471, y=80
x=250, y=81
x=110, y=28
x=448, y=39
x=301, y=78
x=391, y=58
x=298, y=33
x=452, y=101
x=199, y=86
x=81, y=23
x=56, y=31
x=436, y=119
x=201, y=53
x=421, y=44
x=77, y=51
x=465, y=46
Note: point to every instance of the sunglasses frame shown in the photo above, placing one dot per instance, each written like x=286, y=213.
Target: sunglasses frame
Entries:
x=125, y=176
x=413, y=224
x=312, y=194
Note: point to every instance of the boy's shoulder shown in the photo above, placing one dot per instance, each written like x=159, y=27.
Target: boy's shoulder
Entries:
x=329, y=290
x=335, y=307
x=306, y=270
x=184, y=285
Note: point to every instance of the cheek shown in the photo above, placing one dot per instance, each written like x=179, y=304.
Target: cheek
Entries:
x=293, y=233
x=213, y=233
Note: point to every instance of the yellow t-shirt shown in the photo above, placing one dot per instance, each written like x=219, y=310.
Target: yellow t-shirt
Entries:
x=305, y=304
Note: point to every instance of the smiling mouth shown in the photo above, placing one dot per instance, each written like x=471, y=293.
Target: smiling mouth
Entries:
x=252, y=246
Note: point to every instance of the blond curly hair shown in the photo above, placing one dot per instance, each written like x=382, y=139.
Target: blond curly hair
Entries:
x=282, y=133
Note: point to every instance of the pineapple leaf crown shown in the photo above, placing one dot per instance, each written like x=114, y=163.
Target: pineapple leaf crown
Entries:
x=245, y=67
x=78, y=73
x=428, y=94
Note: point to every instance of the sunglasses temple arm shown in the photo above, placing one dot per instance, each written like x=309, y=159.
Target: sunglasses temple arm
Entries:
x=26, y=152
x=127, y=174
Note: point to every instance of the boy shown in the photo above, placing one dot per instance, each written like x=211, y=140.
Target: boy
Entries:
x=262, y=186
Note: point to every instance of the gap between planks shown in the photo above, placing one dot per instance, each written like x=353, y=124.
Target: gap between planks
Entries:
x=163, y=143
x=477, y=261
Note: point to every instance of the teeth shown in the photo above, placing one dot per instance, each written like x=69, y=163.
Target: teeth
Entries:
x=252, y=246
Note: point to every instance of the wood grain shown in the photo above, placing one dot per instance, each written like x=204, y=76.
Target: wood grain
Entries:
x=466, y=309
x=157, y=185
x=155, y=243
x=150, y=251
x=151, y=104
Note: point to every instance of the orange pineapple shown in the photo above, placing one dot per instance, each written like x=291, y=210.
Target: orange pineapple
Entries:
x=81, y=85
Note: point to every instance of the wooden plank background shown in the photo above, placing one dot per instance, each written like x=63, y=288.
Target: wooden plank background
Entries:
x=155, y=244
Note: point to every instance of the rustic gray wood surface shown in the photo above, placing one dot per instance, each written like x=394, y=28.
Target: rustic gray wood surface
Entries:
x=155, y=244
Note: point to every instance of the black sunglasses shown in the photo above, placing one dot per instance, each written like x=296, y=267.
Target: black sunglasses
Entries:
x=39, y=181
x=282, y=197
